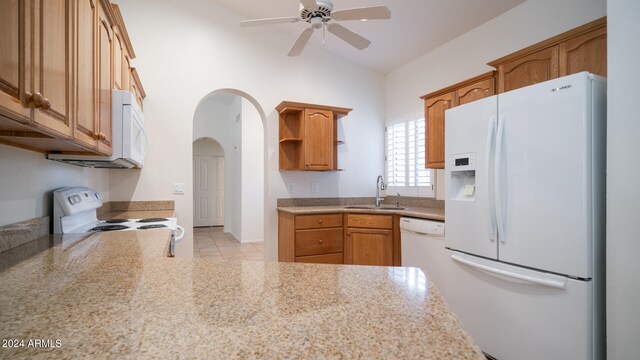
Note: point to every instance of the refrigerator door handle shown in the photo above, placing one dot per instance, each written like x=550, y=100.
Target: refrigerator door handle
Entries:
x=508, y=274
x=492, y=209
x=497, y=190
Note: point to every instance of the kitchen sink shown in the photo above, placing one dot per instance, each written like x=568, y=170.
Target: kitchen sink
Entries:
x=373, y=207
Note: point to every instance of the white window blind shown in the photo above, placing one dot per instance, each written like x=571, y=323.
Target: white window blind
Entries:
x=405, y=158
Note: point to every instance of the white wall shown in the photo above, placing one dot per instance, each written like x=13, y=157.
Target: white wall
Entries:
x=623, y=172
x=186, y=49
x=252, y=174
x=27, y=181
x=467, y=55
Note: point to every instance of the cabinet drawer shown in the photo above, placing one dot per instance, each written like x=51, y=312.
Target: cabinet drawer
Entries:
x=321, y=259
x=314, y=242
x=318, y=221
x=370, y=221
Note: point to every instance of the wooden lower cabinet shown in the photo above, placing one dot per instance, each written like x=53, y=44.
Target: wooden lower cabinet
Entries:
x=369, y=247
x=338, y=238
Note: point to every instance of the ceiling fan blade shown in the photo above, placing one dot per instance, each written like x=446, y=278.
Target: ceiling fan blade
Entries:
x=270, y=21
x=303, y=38
x=310, y=5
x=365, y=13
x=349, y=36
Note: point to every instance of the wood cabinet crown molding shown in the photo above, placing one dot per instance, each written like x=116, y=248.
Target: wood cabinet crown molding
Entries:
x=286, y=106
x=580, y=30
x=461, y=84
x=119, y=22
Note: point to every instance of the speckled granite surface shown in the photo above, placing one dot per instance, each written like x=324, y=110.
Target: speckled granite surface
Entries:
x=423, y=213
x=119, y=206
x=405, y=201
x=137, y=214
x=115, y=295
x=20, y=233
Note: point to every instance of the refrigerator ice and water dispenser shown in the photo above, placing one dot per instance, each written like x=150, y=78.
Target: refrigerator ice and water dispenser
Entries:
x=463, y=177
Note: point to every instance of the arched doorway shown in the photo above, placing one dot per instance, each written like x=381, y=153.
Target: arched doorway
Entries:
x=235, y=121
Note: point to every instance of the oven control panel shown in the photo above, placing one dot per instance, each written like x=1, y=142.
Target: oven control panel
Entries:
x=77, y=199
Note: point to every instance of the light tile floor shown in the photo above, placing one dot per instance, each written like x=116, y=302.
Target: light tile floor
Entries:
x=212, y=243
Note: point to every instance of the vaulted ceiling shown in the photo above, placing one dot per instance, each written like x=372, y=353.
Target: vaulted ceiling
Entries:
x=415, y=28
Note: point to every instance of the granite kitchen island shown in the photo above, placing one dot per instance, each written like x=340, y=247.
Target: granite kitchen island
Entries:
x=117, y=295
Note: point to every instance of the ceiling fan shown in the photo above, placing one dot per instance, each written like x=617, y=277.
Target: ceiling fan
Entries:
x=320, y=14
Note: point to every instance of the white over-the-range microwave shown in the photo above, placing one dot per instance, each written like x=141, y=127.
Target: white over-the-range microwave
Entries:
x=129, y=139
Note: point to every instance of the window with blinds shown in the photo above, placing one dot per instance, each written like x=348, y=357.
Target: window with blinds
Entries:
x=405, y=158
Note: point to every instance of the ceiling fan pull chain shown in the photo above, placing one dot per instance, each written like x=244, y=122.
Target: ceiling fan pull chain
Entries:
x=324, y=25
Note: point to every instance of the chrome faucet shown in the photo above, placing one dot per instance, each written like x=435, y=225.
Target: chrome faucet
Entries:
x=380, y=185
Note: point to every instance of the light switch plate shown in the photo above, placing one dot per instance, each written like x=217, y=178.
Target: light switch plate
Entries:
x=315, y=187
x=178, y=188
x=291, y=188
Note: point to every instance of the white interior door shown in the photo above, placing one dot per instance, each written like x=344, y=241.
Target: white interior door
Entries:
x=218, y=203
x=203, y=190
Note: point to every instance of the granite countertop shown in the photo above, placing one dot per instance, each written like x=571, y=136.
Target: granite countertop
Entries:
x=416, y=212
x=116, y=295
x=137, y=214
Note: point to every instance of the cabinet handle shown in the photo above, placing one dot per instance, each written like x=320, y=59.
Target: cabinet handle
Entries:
x=101, y=136
x=319, y=221
x=37, y=99
x=28, y=98
x=46, y=104
x=319, y=241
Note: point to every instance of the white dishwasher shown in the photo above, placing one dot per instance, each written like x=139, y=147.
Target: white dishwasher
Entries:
x=422, y=244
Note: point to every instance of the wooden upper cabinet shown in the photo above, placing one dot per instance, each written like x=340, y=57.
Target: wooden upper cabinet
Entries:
x=118, y=59
x=587, y=52
x=477, y=90
x=434, y=116
x=308, y=136
x=51, y=63
x=12, y=59
x=135, y=86
x=104, y=76
x=85, y=92
x=528, y=70
x=581, y=49
x=318, y=139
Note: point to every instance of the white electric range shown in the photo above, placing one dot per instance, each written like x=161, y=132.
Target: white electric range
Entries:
x=75, y=212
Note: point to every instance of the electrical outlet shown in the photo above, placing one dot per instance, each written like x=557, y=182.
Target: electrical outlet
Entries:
x=315, y=187
x=291, y=188
x=178, y=188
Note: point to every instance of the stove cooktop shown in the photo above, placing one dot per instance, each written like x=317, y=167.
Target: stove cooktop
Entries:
x=109, y=228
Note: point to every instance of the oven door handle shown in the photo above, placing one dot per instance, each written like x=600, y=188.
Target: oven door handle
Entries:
x=182, y=232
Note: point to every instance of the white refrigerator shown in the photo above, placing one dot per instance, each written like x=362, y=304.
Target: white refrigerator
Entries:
x=525, y=213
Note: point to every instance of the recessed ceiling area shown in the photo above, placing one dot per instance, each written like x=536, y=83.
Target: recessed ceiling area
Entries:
x=415, y=28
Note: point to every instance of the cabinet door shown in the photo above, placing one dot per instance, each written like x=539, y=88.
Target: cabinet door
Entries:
x=477, y=91
x=85, y=89
x=52, y=65
x=105, y=38
x=434, y=109
x=528, y=70
x=318, y=139
x=12, y=81
x=369, y=247
x=587, y=52
x=117, y=61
